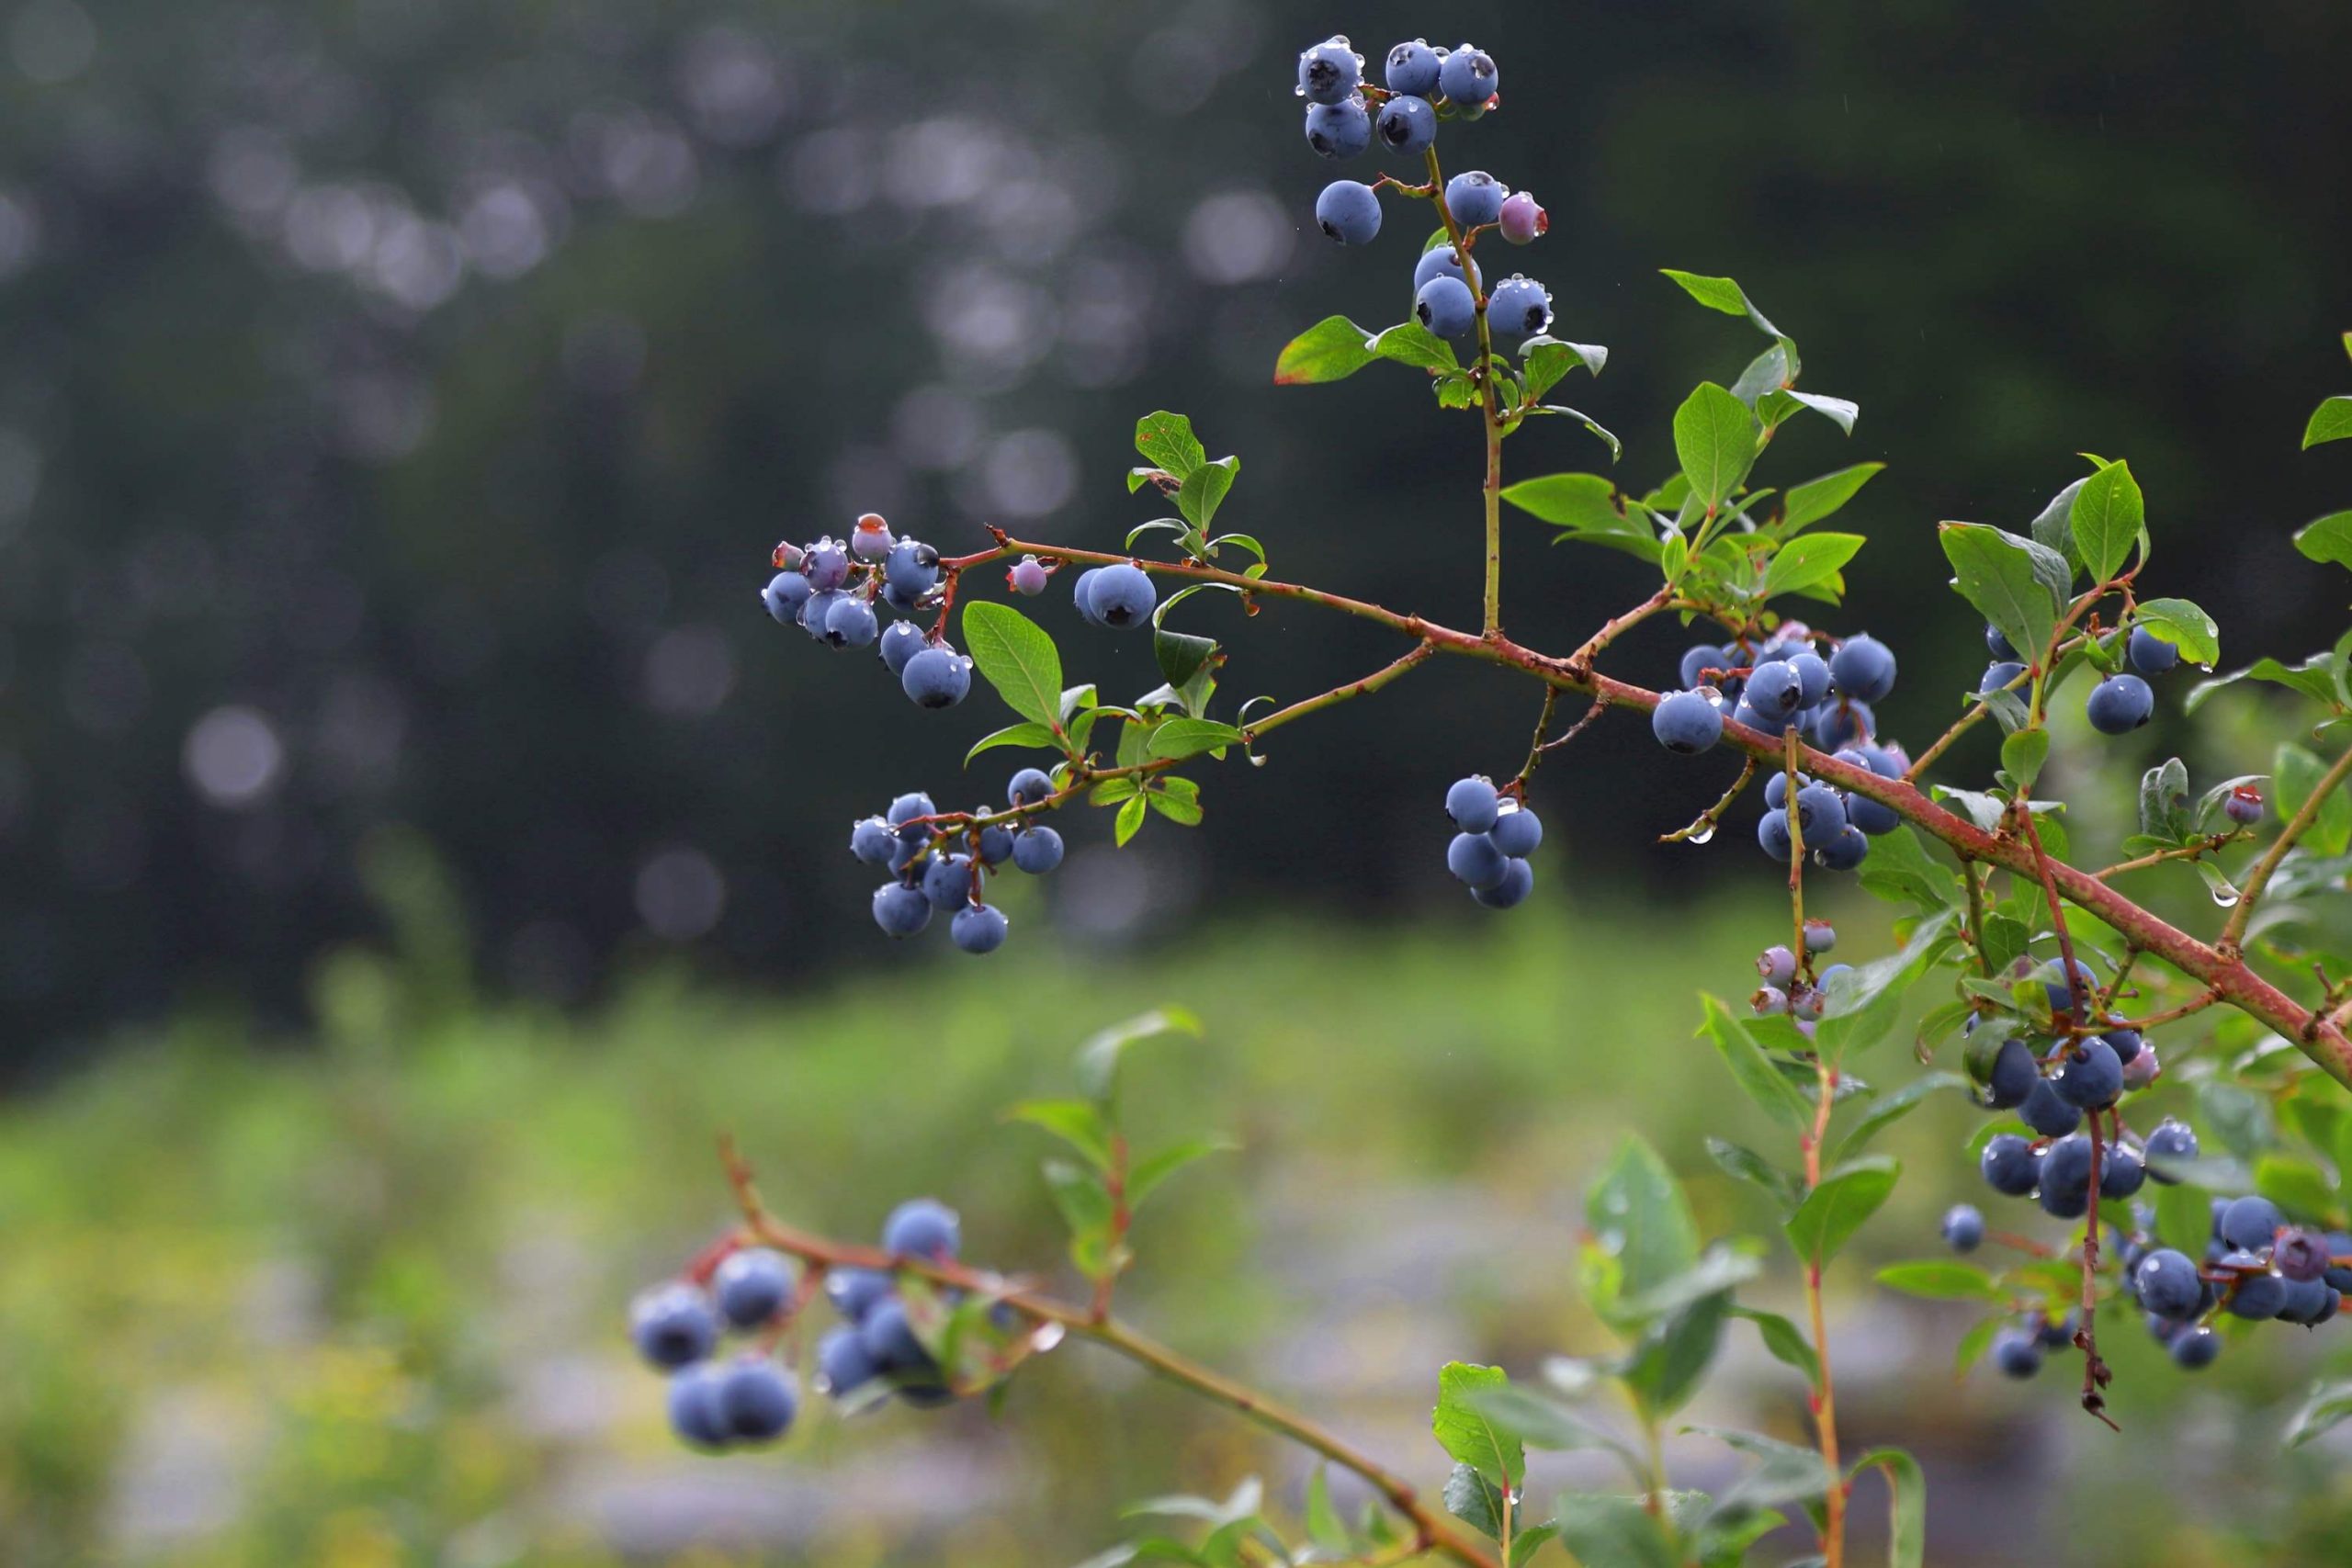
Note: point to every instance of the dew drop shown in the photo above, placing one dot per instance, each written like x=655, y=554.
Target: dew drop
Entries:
x=1703, y=835
x=2225, y=897
x=1047, y=1336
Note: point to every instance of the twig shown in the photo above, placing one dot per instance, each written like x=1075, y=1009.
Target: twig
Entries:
x=1707, y=821
x=2256, y=880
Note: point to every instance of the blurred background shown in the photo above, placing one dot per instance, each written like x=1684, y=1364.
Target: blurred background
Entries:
x=415, y=840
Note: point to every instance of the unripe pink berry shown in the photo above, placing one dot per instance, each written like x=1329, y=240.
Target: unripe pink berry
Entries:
x=1521, y=220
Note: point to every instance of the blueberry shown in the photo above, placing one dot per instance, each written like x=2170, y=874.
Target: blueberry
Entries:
x=947, y=881
x=1521, y=221
x=1412, y=68
x=1029, y=786
x=816, y=608
x=1475, y=197
x=1997, y=644
x=1406, y=125
x=842, y=1362
x=2120, y=704
x=1026, y=577
x=902, y=640
x=1083, y=594
x=1846, y=850
x=937, y=677
x=2243, y=806
x=757, y=1400
x=2054, y=1333
x=2120, y=1173
x=2015, y=1352
x=872, y=841
x=1772, y=835
x=753, y=1286
x=890, y=1341
x=1963, y=1227
x=695, y=1414
x=1036, y=850
x=1519, y=881
x=849, y=622
x=1468, y=76
x=1840, y=724
x=2257, y=1296
x=1776, y=786
x=2299, y=1255
x=907, y=808
x=1687, y=722
x=922, y=1227
x=2338, y=1275
x=1517, y=832
x=2047, y=1113
x=2195, y=1348
x=1697, y=662
x=978, y=928
x=1442, y=261
x=2250, y=1221
x=1472, y=858
x=1472, y=804
x=1813, y=676
x=2307, y=1302
x=855, y=1292
x=2125, y=1042
x=1339, y=130
x=1999, y=675
x=996, y=844
x=2062, y=1204
x=1347, y=210
x=2009, y=1166
x=2093, y=1076
x=1330, y=72
x=1777, y=965
x=784, y=595
x=1520, y=307
x=1863, y=668
x=672, y=1326
x=1821, y=813
x=2150, y=654
x=905, y=603
x=1820, y=937
x=900, y=910
x=1445, y=307
x=1823, y=981
x=1122, y=596
x=2066, y=1167
x=2014, y=1075
x=1871, y=817
x=1775, y=689
x=826, y=565
x=1767, y=1000
x=871, y=540
x=2167, y=1284
x=2171, y=1140
x=1809, y=1003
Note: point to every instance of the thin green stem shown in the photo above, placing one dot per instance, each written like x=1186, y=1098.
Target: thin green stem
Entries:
x=1358, y=687
x=1825, y=1395
x=2234, y=929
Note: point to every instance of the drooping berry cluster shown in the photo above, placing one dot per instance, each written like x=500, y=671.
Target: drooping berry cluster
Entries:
x=1791, y=984
x=829, y=589
x=2121, y=702
x=1498, y=832
x=930, y=873
x=2254, y=1266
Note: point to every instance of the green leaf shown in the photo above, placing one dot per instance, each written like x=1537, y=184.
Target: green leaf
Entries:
x=1906, y=1545
x=1129, y=820
x=2022, y=753
x=1942, y=1280
x=1722, y=294
x=1190, y=737
x=2327, y=539
x=1834, y=1210
x=1638, y=1214
x=1889, y=1109
x=1149, y=1172
x=1714, y=439
x=1181, y=655
x=1589, y=508
x=2297, y=772
x=1751, y=1069
x=1784, y=1341
x=1468, y=1433
x=1079, y=1194
x=2184, y=626
x=1525, y=1543
x=1802, y=563
x=1018, y=658
x=1541, y=1421
x=1203, y=490
x=2009, y=580
x=1331, y=350
x=2315, y=677
x=2108, y=519
x=1475, y=1501
x=1076, y=1122
x=1809, y=502
x=2053, y=529
x=1099, y=1058
x=1778, y=407
x=1182, y=809
x=2327, y=1407
x=1607, y=436
x=1324, y=1526
x=1745, y=1164
x=1027, y=733
x=1672, y=1356
x=1168, y=443
x=1602, y=1530
x=1410, y=343
x=1900, y=868
x=1866, y=1004
x=2332, y=421
x=1546, y=360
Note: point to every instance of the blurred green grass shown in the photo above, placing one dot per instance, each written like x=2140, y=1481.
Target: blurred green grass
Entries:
x=356, y=1299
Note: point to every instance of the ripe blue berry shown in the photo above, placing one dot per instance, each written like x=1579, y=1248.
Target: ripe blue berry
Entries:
x=2255, y=1296
x=1812, y=677
x=1026, y=577
x=922, y=1227
x=1347, y=210
x=758, y=1401
x=672, y=1326
x=2171, y=1140
x=1522, y=220
x=1963, y=1227
x=871, y=540
x=2048, y=1112
x=816, y=608
x=1999, y=675
x=1122, y=596
x=2150, y=654
x=1772, y=835
x=1441, y=260
x=2120, y=1173
x=1468, y=76
x=2308, y=1302
x=1777, y=965
x=2017, y=1353
x=1519, y=881
x=1472, y=804
x=751, y=1286
x=2120, y=704
x=2125, y=1042
x=2014, y=1074
x=902, y=640
x=1820, y=937
x=1776, y=786
x=1083, y=594
x=996, y=844
x=1520, y=307
x=1821, y=812
x=1767, y=1000
x=2093, y=1076
x=1029, y=786
x=906, y=808
x=1687, y=722
x=900, y=910
x=1828, y=977
x=1697, y=662
x=948, y=880
x=696, y=1412
x=2250, y=1223
x=1036, y=850
x=849, y=622
x=1330, y=72
x=2243, y=805
x=1445, y=307
x=1863, y=668
x=872, y=841
x=1846, y=850
x=2066, y=1167
x=1339, y=130
x=1472, y=858
x=2195, y=1348
x=1412, y=68
x=2167, y=1284
x=1517, y=832
x=842, y=1365
x=784, y=595
x=1997, y=644
x=1774, y=689
x=2299, y=1255
x=2054, y=1333
x=855, y=1292
x=826, y=565
x=1474, y=196
x=1406, y=125
x=2009, y=1166
x=1838, y=725
x=937, y=677
x=978, y=928
x=889, y=1339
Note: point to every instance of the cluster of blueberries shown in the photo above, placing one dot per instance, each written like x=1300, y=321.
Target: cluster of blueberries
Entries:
x=750, y=1399
x=1423, y=85
x=1790, y=984
x=828, y=589
x=928, y=873
x=2120, y=704
x=1498, y=832
x=1785, y=685
x=2255, y=1266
